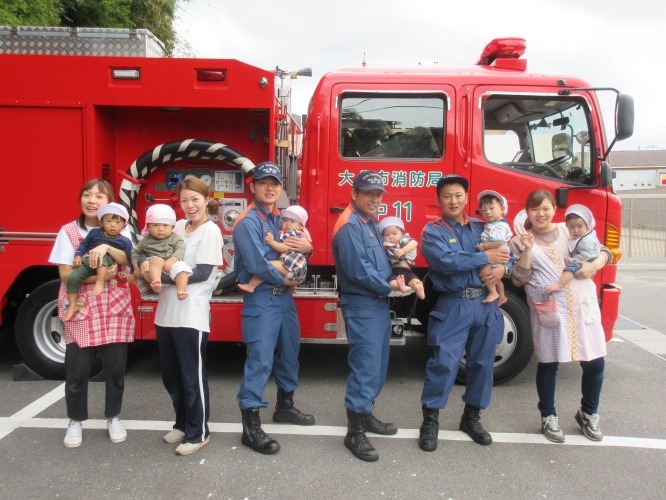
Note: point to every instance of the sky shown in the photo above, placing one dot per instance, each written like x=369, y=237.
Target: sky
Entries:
x=609, y=43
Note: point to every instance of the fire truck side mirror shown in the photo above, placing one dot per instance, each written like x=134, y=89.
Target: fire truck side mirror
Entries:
x=562, y=197
x=607, y=174
x=624, y=117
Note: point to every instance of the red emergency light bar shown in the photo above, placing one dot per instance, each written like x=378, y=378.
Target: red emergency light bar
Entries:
x=511, y=48
x=211, y=75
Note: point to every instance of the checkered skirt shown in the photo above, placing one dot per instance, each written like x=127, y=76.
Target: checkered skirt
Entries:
x=102, y=319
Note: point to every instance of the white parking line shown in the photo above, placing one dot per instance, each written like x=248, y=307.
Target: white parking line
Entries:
x=26, y=418
x=8, y=424
x=338, y=431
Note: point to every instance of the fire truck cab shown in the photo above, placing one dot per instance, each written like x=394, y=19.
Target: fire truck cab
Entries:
x=493, y=123
x=145, y=123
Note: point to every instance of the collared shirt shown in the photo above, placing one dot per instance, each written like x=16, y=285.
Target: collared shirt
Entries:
x=449, y=247
x=361, y=264
x=251, y=252
x=585, y=248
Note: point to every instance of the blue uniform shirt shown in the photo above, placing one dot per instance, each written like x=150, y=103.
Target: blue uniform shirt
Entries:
x=251, y=252
x=449, y=247
x=361, y=264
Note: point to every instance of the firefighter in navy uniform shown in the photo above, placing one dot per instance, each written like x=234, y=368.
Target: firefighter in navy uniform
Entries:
x=271, y=331
x=460, y=321
x=363, y=271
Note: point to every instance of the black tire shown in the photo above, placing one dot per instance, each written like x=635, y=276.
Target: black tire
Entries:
x=515, y=350
x=39, y=333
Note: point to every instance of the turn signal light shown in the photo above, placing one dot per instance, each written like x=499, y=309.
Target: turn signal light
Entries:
x=613, y=242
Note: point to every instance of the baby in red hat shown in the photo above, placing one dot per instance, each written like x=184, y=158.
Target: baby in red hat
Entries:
x=164, y=250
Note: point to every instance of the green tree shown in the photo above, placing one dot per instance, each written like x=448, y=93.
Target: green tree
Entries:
x=96, y=13
x=30, y=12
x=159, y=14
x=154, y=15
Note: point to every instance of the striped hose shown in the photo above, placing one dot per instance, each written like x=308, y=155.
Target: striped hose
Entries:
x=171, y=152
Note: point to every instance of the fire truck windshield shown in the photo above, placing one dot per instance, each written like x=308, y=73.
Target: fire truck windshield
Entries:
x=392, y=126
x=544, y=136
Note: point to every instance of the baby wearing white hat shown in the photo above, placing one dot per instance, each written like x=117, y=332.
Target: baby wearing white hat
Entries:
x=493, y=207
x=401, y=251
x=583, y=243
x=163, y=250
x=113, y=219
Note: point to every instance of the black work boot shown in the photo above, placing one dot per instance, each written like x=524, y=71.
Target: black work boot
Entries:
x=254, y=436
x=376, y=426
x=429, y=429
x=469, y=423
x=287, y=413
x=356, y=440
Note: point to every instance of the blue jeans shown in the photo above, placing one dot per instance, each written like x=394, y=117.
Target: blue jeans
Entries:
x=590, y=386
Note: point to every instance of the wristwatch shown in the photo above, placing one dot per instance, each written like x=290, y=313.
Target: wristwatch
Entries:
x=506, y=271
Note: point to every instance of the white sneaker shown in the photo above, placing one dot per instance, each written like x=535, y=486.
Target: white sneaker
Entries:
x=117, y=432
x=74, y=436
x=173, y=436
x=189, y=448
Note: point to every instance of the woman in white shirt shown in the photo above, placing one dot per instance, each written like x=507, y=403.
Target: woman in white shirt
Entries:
x=103, y=322
x=183, y=325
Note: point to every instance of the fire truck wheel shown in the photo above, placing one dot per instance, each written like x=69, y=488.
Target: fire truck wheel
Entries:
x=515, y=350
x=39, y=332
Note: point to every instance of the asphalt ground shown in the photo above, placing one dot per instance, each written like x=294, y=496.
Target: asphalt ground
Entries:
x=313, y=462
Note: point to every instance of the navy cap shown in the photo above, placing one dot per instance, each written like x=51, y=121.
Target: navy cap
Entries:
x=368, y=180
x=267, y=169
x=452, y=179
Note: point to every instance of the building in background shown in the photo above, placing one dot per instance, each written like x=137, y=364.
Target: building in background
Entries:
x=639, y=170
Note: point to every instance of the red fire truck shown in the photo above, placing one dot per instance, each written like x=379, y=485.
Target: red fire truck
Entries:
x=145, y=123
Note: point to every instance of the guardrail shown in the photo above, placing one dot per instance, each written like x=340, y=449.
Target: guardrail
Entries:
x=643, y=225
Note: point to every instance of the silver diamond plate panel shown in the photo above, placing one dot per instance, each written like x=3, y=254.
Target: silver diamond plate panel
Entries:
x=80, y=41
